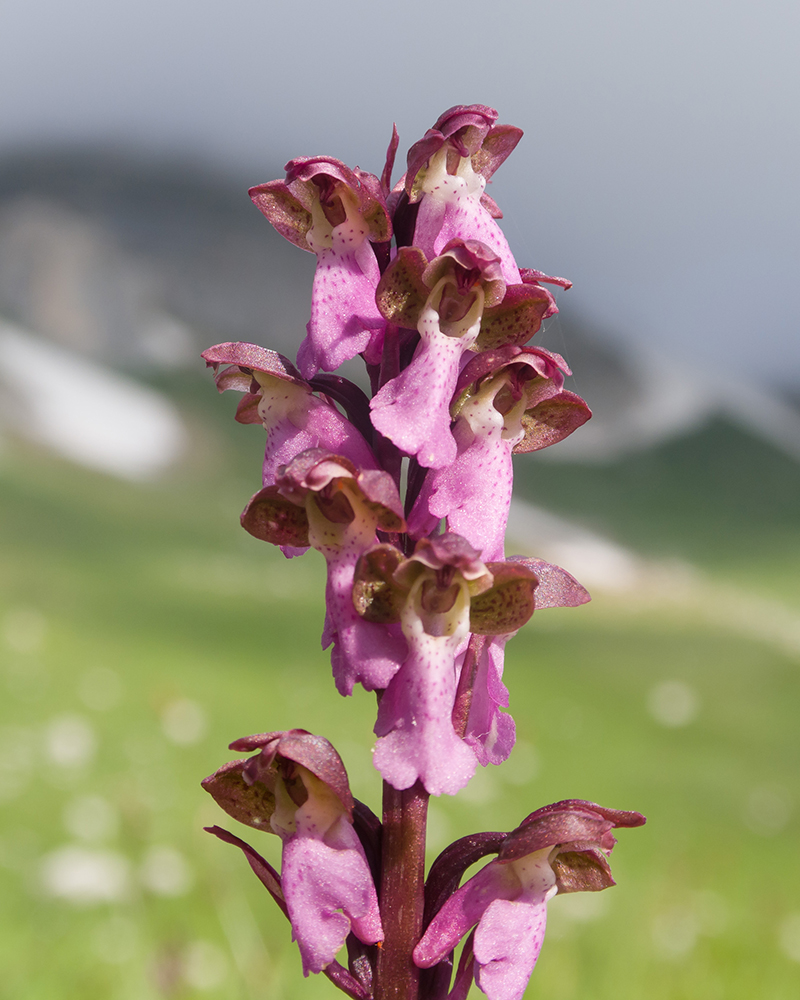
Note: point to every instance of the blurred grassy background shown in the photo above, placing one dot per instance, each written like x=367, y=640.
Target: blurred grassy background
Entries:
x=142, y=630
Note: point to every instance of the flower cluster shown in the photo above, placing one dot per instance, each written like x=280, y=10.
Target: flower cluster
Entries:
x=406, y=495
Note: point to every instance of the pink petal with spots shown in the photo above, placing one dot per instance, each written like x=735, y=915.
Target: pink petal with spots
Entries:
x=511, y=922
x=473, y=493
x=322, y=426
x=417, y=739
x=413, y=409
x=460, y=215
x=507, y=945
x=343, y=310
x=463, y=910
x=329, y=892
x=363, y=652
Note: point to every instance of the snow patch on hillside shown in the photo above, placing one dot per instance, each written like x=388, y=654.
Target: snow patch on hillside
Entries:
x=84, y=411
x=623, y=578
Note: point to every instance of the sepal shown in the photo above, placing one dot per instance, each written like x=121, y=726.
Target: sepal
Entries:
x=248, y=358
x=274, y=519
x=581, y=868
x=377, y=596
x=251, y=803
x=557, y=588
x=401, y=293
x=316, y=754
x=570, y=820
x=508, y=604
x=516, y=318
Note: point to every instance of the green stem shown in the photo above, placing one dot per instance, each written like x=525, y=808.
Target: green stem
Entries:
x=402, y=891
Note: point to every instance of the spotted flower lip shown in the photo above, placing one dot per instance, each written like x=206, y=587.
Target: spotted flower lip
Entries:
x=489, y=731
x=297, y=787
x=559, y=848
x=337, y=213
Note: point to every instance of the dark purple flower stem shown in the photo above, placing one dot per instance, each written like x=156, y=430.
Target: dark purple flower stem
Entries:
x=402, y=891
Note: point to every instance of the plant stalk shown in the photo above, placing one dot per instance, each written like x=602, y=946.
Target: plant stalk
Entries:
x=402, y=892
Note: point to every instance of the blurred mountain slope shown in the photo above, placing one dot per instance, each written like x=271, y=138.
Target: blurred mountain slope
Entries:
x=157, y=238
x=717, y=496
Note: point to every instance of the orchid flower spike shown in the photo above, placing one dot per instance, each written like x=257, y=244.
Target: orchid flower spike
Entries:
x=420, y=281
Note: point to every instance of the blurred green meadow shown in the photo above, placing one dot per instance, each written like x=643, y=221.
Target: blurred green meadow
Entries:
x=141, y=630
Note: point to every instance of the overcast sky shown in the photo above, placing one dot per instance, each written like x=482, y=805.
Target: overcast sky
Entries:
x=659, y=168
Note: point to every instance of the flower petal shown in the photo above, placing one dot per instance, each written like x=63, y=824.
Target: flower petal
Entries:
x=463, y=910
x=490, y=732
x=413, y=409
x=343, y=309
x=318, y=882
x=506, y=946
x=417, y=739
x=252, y=803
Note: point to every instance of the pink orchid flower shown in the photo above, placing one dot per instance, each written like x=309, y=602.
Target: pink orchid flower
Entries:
x=451, y=292
x=507, y=401
x=278, y=398
x=297, y=787
x=438, y=595
x=447, y=173
x=325, y=501
x=337, y=213
x=559, y=848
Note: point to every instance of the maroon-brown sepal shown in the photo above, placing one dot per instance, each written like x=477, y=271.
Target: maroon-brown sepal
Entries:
x=507, y=604
x=568, y=822
x=557, y=588
x=315, y=753
x=516, y=319
x=272, y=518
x=252, y=804
x=581, y=868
